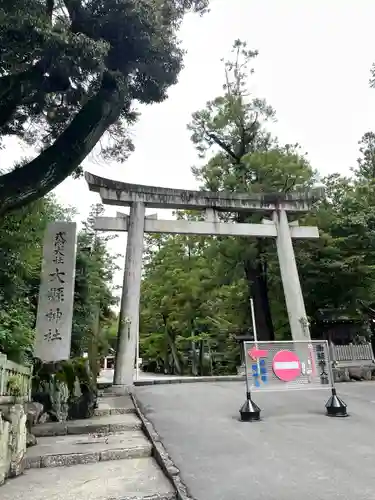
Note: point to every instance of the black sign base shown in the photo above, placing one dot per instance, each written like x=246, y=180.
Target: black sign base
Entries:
x=249, y=411
x=335, y=406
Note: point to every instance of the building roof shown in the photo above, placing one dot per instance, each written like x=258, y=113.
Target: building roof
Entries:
x=339, y=315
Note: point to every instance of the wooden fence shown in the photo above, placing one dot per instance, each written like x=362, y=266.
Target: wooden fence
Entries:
x=353, y=354
x=13, y=375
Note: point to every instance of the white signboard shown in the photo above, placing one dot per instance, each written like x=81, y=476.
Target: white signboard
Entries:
x=56, y=293
x=288, y=365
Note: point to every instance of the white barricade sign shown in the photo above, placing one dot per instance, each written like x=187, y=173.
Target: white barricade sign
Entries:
x=288, y=365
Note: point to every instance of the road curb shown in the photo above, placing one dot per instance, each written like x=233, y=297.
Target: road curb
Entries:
x=190, y=380
x=160, y=454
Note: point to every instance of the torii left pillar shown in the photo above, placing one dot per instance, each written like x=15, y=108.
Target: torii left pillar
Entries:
x=129, y=311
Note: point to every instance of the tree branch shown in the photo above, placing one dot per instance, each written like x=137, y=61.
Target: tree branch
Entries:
x=16, y=89
x=79, y=18
x=288, y=186
x=244, y=136
x=223, y=146
x=50, y=4
x=74, y=8
x=54, y=164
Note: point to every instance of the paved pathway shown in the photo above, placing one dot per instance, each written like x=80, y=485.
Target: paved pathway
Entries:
x=294, y=453
x=106, y=376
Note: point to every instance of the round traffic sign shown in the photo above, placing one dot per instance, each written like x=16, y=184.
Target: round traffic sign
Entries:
x=286, y=366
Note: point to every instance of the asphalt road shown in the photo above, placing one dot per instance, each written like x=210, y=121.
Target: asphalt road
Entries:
x=295, y=452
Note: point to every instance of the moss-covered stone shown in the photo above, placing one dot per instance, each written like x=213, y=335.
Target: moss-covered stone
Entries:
x=67, y=389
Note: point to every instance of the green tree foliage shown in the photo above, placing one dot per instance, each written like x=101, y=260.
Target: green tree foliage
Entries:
x=245, y=158
x=107, y=341
x=21, y=241
x=70, y=72
x=196, y=290
x=21, y=246
x=93, y=294
x=338, y=269
x=188, y=318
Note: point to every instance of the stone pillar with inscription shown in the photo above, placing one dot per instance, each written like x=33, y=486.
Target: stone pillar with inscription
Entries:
x=56, y=293
x=289, y=275
x=129, y=311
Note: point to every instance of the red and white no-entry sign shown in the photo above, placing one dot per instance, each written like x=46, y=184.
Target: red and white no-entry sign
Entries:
x=286, y=366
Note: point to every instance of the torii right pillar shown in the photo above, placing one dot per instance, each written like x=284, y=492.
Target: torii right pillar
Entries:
x=295, y=304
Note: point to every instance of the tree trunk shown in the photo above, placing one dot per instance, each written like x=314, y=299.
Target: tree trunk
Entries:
x=167, y=365
x=93, y=344
x=201, y=357
x=174, y=352
x=258, y=290
x=35, y=179
x=194, y=368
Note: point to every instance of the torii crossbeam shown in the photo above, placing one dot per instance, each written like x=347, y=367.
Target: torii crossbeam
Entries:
x=139, y=197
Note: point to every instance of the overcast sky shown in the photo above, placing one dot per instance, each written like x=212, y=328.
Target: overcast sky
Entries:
x=313, y=67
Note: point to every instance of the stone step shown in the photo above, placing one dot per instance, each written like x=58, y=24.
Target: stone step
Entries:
x=137, y=479
x=55, y=451
x=107, y=424
x=114, y=405
x=106, y=393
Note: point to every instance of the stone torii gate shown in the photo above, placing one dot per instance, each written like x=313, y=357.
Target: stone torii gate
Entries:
x=138, y=198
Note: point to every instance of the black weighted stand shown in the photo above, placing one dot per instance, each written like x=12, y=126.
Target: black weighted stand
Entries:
x=335, y=406
x=249, y=411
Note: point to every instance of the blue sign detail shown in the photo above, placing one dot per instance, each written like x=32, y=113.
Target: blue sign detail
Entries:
x=259, y=372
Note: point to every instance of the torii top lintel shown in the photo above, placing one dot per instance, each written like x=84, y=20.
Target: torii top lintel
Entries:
x=124, y=194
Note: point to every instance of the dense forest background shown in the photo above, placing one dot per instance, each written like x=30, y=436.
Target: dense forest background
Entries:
x=21, y=247
x=196, y=290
